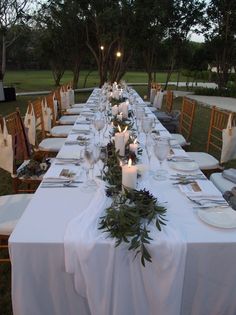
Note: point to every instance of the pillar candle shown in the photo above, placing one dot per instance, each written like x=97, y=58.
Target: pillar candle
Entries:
x=133, y=147
x=114, y=110
x=120, y=116
x=125, y=110
x=126, y=133
x=129, y=175
x=120, y=143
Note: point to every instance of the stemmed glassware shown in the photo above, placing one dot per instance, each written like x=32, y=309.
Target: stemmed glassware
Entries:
x=89, y=155
x=99, y=124
x=161, y=150
x=147, y=126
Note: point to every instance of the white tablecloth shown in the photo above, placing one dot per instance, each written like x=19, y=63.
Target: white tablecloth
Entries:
x=41, y=286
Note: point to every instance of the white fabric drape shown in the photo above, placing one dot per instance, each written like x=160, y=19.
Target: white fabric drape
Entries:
x=228, y=151
x=29, y=122
x=111, y=279
x=46, y=116
x=158, y=99
x=6, y=150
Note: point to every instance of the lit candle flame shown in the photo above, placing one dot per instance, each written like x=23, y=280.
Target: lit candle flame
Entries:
x=129, y=163
x=135, y=141
x=119, y=128
x=125, y=129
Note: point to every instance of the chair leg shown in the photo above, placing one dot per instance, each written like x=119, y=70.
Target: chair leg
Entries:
x=15, y=185
x=4, y=249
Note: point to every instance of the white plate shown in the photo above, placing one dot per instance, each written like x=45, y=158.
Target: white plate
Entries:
x=219, y=217
x=184, y=166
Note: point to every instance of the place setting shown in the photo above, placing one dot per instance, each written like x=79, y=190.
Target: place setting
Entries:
x=62, y=177
x=206, y=201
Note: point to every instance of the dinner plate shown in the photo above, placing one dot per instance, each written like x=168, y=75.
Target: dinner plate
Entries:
x=218, y=216
x=184, y=166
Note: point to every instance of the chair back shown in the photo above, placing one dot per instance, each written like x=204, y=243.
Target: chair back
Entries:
x=50, y=103
x=21, y=146
x=218, y=122
x=36, y=106
x=187, y=117
x=169, y=101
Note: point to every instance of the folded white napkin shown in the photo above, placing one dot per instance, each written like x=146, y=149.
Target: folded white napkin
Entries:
x=109, y=277
x=81, y=127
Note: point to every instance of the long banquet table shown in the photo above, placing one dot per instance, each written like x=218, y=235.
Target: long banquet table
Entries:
x=41, y=286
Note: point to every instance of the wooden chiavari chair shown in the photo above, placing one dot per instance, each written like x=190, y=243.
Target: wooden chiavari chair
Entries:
x=47, y=146
x=218, y=121
x=186, y=122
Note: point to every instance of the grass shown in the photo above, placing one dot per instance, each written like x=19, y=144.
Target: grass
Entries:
x=43, y=79
x=36, y=81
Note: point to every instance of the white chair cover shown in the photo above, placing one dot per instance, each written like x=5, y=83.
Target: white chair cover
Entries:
x=46, y=116
x=6, y=150
x=64, y=100
x=153, y=93
x=158, y=99
x=29, y=123
x=228, y=151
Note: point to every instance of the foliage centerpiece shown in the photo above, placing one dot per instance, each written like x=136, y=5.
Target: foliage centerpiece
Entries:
x=131, y=211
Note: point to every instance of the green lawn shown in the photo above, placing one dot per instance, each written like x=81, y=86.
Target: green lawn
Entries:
x=43, y=79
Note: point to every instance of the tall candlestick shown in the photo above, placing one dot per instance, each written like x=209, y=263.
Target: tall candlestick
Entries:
x=129, y=175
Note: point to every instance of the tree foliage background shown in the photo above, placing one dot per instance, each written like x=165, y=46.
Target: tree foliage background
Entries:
x=149, y=35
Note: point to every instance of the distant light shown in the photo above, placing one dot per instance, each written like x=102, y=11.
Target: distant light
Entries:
x=102, y=47
x=118, y=54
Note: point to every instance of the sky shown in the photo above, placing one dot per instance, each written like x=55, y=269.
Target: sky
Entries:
x=197, y=38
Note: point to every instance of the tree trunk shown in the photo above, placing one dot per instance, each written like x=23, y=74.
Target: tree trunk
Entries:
x=76, y=73
x=2, y=96
x=169, y=73
x=86, y=78
x=3, y=67
x=178, y=77
x=57, y=75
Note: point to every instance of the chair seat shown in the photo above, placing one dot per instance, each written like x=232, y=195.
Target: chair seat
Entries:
x=221, y=183
x=152, y=109
x=74, y=111
x=68, y=120
x=179, y=139
x=51, y=144
x=163, y=116
x=78, y=105
x=204, y=160
x=11, y=209
x=61, y=131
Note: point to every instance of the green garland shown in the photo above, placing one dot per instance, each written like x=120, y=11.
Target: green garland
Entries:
x=131, y=211
x=115, y=101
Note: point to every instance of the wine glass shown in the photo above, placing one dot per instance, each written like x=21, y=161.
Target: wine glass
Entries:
x=161, y=150
x=147, y=125
x=89, y=159
x=139, y=115
x=99, y=123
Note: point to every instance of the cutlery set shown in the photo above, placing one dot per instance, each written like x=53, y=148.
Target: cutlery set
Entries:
x=208, y=202
x=187, y=179
x=60, y=183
